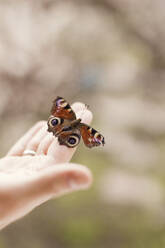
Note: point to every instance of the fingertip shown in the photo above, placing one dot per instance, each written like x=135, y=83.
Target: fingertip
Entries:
x=86, y=116
x=82, y=112
x=40, y=123
x=65, y=178
x=76, y=176
x=37, y=126
x=82, y=174
x=78, y=106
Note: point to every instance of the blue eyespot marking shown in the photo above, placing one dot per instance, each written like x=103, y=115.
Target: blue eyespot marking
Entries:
x=54, y=122
x=72, y=141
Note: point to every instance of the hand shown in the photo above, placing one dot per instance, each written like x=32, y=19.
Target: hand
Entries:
x=28, y=181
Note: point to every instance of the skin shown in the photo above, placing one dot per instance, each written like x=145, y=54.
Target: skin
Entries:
x=28, y=181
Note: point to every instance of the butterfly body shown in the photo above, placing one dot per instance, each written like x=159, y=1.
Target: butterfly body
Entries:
x=69, y=130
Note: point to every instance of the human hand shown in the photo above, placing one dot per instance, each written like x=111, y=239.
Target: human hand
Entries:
x=28, y=181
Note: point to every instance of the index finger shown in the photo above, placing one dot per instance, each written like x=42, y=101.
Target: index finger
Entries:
x=61, y=153
x=20, y=145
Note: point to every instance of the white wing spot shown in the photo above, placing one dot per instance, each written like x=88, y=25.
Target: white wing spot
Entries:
x=63, y=104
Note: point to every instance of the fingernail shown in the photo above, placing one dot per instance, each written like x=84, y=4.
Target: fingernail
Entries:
x=75, y=185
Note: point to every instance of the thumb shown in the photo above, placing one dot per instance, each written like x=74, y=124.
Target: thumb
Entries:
x=58, y=180
x=48, y=183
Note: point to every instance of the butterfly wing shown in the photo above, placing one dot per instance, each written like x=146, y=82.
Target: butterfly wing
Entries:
x=61, y=115
x=69, y=138
x=62, y=109
x=90, y=136
x=63, y=124
x=55, y=124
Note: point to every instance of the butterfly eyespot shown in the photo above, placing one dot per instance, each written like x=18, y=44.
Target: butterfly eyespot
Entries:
x=73, y=140
x=55, y=121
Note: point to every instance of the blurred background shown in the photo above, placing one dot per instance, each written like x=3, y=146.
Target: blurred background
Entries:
x=109, y=54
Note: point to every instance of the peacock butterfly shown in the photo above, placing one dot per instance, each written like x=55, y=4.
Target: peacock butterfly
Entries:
x=64, y=125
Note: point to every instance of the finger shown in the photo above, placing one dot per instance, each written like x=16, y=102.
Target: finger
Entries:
x=19, y=147
x=58, y=180
x=78, y=106
x=33, y=144
x=44, y=144
x=51, y=182
x=63, y=154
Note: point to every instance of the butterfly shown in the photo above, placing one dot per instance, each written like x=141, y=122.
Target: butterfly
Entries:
x=68, y=129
